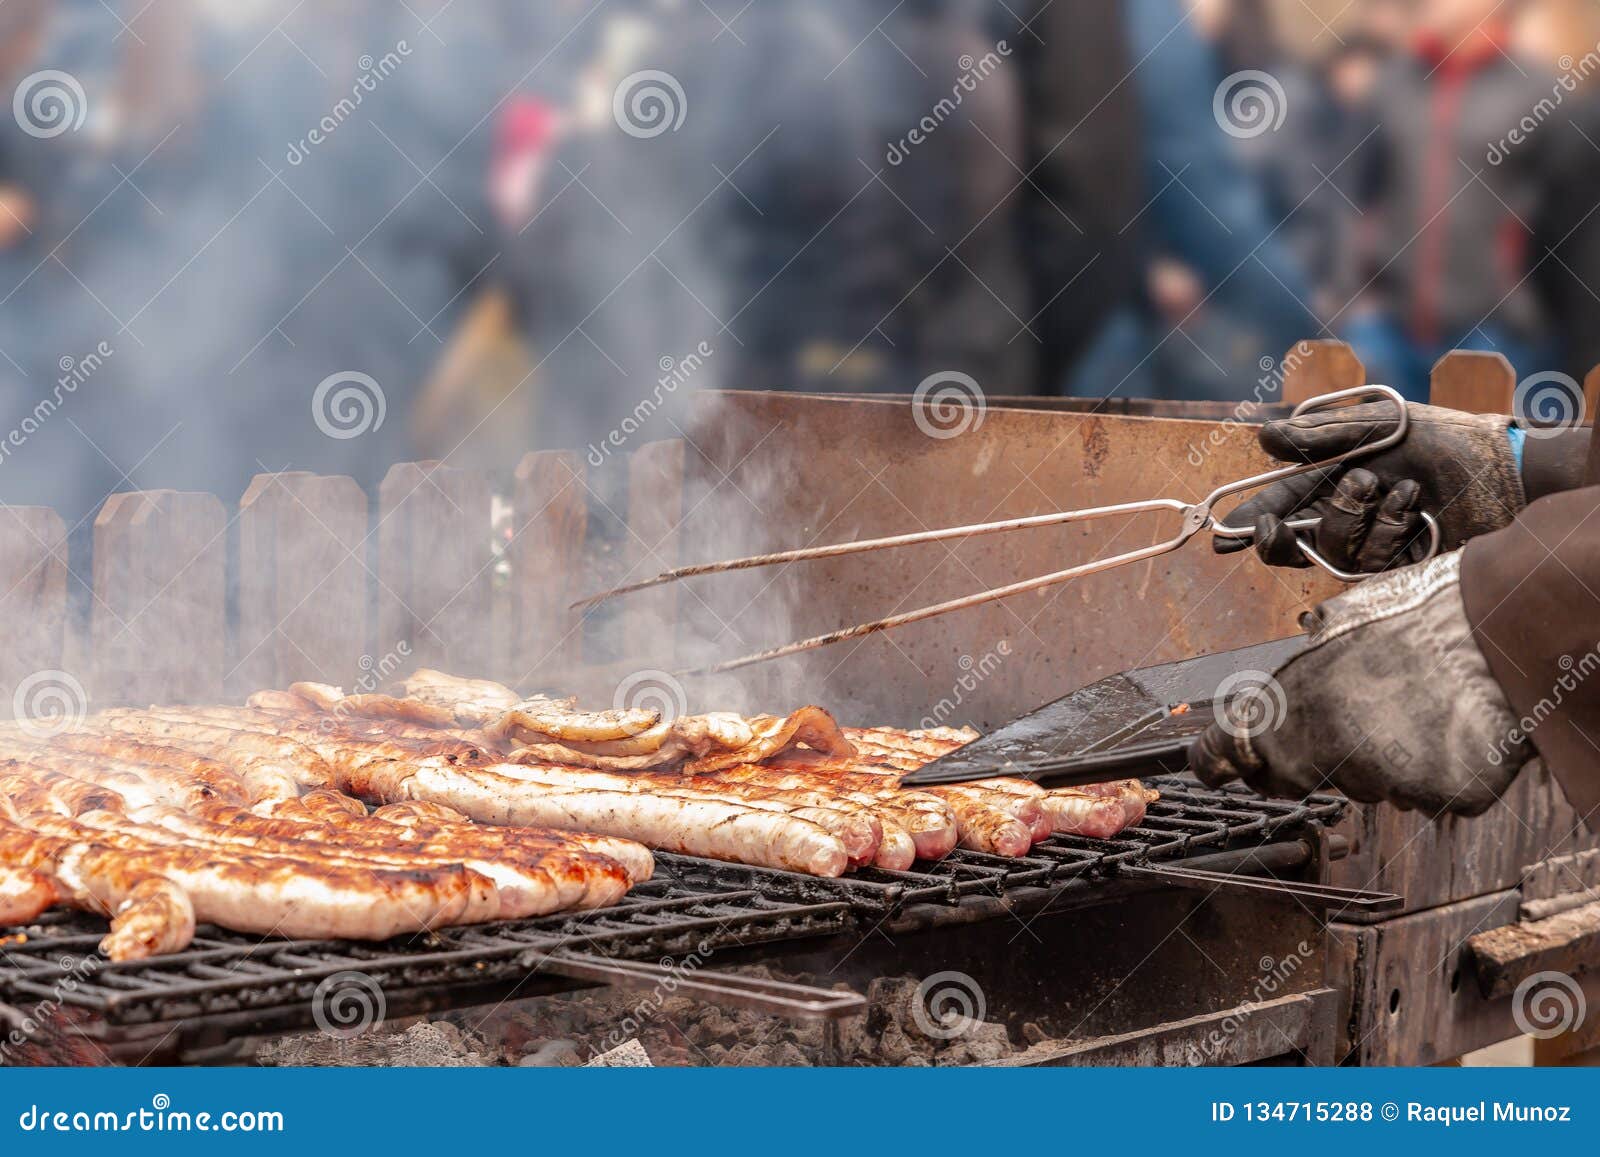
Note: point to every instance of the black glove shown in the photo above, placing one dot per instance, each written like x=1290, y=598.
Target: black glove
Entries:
x=1391, y=701
x=1457, y=466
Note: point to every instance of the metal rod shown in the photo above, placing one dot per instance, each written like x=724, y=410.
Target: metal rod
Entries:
x=1325, y=895
x=839, y=549
x=861, y=630
x=1320, y=402
x=757, y=994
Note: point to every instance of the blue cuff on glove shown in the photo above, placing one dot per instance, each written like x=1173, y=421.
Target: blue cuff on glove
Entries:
x=1518, y=436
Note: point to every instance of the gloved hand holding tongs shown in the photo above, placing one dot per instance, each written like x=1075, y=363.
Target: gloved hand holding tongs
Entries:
x=1420, y=540
x=1394, y=699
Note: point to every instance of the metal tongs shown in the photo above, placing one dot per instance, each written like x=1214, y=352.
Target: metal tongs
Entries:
x=1197, y=517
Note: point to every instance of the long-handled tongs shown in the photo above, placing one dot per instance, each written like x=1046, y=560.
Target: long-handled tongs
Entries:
x=1197, y=517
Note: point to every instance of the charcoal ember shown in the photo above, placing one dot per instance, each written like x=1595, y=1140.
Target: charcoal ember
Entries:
x=512, y=1028
x=893, y=996
x=894, y=1047
x=668, y=1054
x=716, y=1027
x=854, y=1039
x=979, y=1044
x=788, y=1055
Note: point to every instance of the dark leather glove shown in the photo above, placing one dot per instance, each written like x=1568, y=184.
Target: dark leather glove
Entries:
x=1457, y=466
x=1392, y=700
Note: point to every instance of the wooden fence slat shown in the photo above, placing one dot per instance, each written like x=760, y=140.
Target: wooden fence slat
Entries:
x=655, y=514
x=1476, y=381
x=435, y=570
x=33, y=597
x=302, y=582
x=1320, y=367
x=549, y=532
x=158, y=624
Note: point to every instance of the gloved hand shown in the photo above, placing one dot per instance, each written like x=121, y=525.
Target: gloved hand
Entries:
x=1458, y=467
x=1392, y=700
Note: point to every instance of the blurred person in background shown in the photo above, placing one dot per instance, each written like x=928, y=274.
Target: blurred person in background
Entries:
x=1564, y=37
x=1221, y=288
x=832, y=203
x=1461, y=209
x=21, y=31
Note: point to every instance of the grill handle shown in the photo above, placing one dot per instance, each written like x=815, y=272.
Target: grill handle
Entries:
x=1318, y=895
x=773, y=997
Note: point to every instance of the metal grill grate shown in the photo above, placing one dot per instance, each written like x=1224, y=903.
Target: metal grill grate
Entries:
x=1188, y=820
x=692, y=906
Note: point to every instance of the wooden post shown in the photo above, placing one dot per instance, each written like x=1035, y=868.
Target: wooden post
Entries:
x=302, y=582
x=158, y=624
x=435, y=549
x=33, y=606
x=551, y=525
x=1320, y=367
x=1476, y=381
x=655, y=515
x=1591, y=394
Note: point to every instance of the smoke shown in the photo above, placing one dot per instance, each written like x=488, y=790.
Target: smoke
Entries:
x=265, y=198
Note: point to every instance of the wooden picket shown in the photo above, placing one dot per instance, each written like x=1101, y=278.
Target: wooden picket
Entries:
x=1473, y=380
x=33, y=598
x=302, y=582
x=436, y=557
x=1319, y=367
x=655, y=514
x=548, y=567
x=158, y=628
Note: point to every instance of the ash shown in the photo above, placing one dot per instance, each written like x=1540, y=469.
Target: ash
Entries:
x=606, y=1027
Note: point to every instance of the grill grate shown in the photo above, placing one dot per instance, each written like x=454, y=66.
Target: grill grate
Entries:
x=692, y=906
x=1188, y=820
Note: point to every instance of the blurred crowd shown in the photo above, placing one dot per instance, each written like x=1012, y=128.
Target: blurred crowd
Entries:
x=483, y=226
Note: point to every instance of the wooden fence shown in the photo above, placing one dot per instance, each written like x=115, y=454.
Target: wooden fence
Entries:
x=303, y=578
